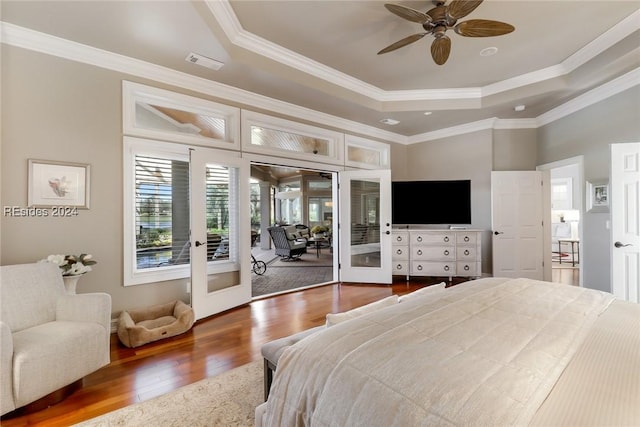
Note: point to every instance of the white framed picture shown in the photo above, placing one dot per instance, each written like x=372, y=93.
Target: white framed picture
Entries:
x=598, y=196
x=58, y=184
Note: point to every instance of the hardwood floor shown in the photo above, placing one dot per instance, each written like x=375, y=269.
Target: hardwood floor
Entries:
x=214, y=345
x=566, y=275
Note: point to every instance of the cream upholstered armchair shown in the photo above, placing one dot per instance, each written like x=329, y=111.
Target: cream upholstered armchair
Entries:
x=50, y=339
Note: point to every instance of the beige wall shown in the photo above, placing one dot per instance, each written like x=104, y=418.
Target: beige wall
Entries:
x=467, y=156
x=514, y=149
x=590, y=132
x=56, y=109
x=60, y=110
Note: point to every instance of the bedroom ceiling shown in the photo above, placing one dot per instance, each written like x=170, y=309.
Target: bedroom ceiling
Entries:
x=321, y=55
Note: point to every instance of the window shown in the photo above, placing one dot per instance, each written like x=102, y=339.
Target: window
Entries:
x=155, y=113
x=365, y=153
x=264, y=134
x=161, y=212
x=156, y=211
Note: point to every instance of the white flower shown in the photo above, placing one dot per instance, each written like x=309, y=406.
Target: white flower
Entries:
x=58, y=260
x=77, y=269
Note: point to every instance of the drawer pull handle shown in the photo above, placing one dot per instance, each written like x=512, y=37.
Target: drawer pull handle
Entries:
x=399, y=251
x=419, y=238
x=419, y=251
x=446, y=238
x=466, y=238
x=399, y=238
x=446, y=268
x=446, y=252
x=399, y=267
x=466, y=268
x=419, y=267
x=466, y=251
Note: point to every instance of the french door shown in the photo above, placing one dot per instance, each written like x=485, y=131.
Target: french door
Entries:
x=220, y=232
x=365, y=226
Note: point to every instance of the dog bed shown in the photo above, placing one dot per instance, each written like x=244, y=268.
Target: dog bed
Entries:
x=144, y=325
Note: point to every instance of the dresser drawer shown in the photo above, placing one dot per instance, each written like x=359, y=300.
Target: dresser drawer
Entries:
x=466, y=238
x=467, y=253
x=400, y=238
x=433, y=238
x=400, y=253
x=467, y=268
x=426, y=268
x=433, y=253
x=400, y=268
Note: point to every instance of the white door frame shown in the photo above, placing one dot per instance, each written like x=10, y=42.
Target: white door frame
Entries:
x=368, y=274
x=579, y=161
x=205, y=302
x=320, y=167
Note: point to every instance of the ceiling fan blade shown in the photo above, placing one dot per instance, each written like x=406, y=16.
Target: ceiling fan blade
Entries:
x=440, y=49
x=408, y=13
x=483, y=28
x=400, y=43
x=461, y=8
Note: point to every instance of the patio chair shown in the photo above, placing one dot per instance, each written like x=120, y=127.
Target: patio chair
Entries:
x=288, y=247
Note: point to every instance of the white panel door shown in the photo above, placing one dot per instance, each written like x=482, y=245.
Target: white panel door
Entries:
x=365, y=226
x=517, y=223
x=220, y=232
x=625, y=221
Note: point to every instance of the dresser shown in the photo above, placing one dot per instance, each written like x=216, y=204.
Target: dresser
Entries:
x=437, y=253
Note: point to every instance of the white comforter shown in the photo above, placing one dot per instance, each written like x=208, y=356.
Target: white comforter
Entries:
x=485, y=352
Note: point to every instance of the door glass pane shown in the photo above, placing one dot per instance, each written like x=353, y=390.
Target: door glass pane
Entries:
x=222, y=227
x=365, y=223
x=162, y=212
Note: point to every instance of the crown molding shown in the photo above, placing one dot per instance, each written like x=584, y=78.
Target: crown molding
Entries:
x=611, y=88
x=25, y=38
x=225, y=16
x=21, y=37
x=453, y=131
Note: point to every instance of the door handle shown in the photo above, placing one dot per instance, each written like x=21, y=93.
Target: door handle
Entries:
x=498, y=232
x=198, y=244
x=387, y=232
x=621, y=245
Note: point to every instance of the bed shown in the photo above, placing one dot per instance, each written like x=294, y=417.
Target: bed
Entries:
x=492, y=351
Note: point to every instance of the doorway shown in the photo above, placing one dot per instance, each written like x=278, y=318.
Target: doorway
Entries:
x=300, y=201
x=566, y=202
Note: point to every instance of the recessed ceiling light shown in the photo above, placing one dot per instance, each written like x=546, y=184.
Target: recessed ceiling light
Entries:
x=519, y=108
x=489, y=51
x=428, y=113
x=204, y=61
x=389, y=121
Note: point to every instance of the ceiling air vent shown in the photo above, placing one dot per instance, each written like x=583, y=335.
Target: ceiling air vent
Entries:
x=204, y=61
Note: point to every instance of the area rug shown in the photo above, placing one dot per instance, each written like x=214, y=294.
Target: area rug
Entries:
x=228, y=399
x=307, y=260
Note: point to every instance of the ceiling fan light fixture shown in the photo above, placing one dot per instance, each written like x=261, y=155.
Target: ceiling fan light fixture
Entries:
x=489, y=51
x=389, y=121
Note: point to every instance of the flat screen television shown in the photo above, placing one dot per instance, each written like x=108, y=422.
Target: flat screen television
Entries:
x=431, y=202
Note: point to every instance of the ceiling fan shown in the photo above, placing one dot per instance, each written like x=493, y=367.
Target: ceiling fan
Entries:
x=441, y=18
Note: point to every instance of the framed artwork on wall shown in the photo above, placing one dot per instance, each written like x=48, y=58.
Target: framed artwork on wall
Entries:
x=597, y=196
x=58, y=184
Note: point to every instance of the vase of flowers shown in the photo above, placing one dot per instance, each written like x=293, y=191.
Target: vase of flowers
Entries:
x=73, y=267
x=319, y=231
